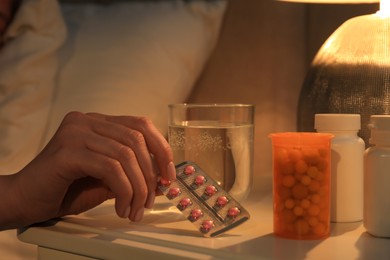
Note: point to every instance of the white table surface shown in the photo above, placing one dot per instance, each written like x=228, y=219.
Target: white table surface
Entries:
x=164, y=233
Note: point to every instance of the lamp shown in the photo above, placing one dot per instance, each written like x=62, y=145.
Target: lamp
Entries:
x=351, y=71
x=332, y=1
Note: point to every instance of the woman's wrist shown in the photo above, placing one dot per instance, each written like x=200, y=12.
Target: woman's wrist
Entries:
x=10, y=214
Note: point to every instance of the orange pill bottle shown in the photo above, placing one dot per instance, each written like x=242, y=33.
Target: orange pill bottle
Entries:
x=301, y=184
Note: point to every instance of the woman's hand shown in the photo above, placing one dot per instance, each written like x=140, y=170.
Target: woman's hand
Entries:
x=91, y=158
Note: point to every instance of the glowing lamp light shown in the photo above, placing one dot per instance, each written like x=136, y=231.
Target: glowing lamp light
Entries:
x=333, y=1
x=384, y=8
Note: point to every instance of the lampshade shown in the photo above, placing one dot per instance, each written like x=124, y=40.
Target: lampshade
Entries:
x=333, y=1
x=350, y=73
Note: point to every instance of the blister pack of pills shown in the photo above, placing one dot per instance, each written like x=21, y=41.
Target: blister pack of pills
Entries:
x=204, y=203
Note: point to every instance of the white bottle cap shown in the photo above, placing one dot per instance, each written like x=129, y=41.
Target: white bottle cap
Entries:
x=380, y=129
x=341, y=122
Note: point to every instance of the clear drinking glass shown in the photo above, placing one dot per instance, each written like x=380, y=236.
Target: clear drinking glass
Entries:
x=219, y=138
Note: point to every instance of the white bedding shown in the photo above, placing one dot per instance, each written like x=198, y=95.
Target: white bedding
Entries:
x=125, y=58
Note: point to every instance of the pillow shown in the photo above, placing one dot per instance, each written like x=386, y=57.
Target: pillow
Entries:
x=27, y=70
x=133, y=58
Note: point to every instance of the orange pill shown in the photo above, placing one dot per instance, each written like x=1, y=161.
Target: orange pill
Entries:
x=323, y=191
x=311, y=156
x=313, y=221
x=301, y=227
x=301, y=166
x=289, y=203
x=312, y=171
x=322, y=164
x=305, y=180
x=287, y=216
x=300, y=191
x=305, y=203
x=298, y=210
x=324, y=203
x=281, y=156
x=313, y=210
x=324, y=216
x=314, y=186
x=283, y=193
x=298, y=176
x=315, y=198
x=279, y=207
x=287, y=168
x=288, y=181
x=320, y=176
x=294, y=154
x=320, y=229
x=323, y=152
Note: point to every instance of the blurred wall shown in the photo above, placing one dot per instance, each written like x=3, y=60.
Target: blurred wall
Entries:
x=260, y=59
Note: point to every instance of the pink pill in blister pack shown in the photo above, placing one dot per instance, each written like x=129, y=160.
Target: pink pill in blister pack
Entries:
x=203, y=202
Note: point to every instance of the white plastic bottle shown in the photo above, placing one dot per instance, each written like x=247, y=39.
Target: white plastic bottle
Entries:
x=346, y=165
x=377, y=178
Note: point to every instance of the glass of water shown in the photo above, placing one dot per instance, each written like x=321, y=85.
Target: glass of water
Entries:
x=219, y=138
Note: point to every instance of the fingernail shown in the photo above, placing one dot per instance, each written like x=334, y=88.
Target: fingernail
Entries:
x=171, y=171
x=150, y=200
x=138, y=215
x=126, y=213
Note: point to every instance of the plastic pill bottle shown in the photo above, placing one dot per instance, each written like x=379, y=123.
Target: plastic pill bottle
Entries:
x=347, y=157
x=301, y=185
x=376, y=218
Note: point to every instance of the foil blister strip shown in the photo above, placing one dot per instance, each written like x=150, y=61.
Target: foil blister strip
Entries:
x=206, y=204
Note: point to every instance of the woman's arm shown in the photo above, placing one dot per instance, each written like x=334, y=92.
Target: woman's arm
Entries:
x=91, y=158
